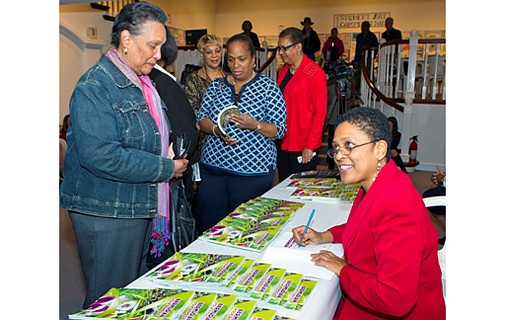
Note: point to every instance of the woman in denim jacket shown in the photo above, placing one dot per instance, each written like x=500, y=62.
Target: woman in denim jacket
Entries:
x=117, y=164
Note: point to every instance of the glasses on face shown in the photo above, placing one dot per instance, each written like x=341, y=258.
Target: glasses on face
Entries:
x=284, y=48
x=346, y=149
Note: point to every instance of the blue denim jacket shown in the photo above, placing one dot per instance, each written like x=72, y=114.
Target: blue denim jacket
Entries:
x=113, y=163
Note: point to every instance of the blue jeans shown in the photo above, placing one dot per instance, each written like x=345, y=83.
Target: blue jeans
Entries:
x=112, y=251
x=220, y=192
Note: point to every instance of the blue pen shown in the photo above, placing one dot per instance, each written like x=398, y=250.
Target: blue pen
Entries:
x=306, y=227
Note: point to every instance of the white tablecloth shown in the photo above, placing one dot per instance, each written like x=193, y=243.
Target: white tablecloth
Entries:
x=323, y=301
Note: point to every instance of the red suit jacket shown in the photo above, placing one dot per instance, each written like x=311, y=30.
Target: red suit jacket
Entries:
x=391, y=246
x=306, y=103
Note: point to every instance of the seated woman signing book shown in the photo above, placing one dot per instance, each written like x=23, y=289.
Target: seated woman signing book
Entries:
x=390, y=265
x=245, y=154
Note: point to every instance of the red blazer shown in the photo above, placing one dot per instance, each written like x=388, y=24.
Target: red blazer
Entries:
x=306, y=103
x=391, y=245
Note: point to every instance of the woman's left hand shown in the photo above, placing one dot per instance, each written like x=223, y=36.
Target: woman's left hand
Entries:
x=329, y=260
x=244, y=121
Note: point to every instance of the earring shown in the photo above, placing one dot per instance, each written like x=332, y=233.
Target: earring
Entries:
x=379, y=166
x=125, y=50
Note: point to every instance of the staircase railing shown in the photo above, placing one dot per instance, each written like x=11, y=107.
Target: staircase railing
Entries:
x=403, y=73
x=392, y=78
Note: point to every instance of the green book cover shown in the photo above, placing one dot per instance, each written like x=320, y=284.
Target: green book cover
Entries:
x=241, y=310
x=193, y=267
x=263, y=314
x=219, y=308
x=252, y=225
x=165, y=308
x=285, y=289
x=297, y=300
x=238, y=273
x=252, y=277
x=268, y=284
x=198, y=306
x=222, y=270
x=117, y=303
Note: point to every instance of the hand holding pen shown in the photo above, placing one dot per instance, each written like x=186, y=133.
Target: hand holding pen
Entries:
x=306, y=227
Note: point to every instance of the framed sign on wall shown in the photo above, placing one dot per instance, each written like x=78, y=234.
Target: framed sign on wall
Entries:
x=354, y=20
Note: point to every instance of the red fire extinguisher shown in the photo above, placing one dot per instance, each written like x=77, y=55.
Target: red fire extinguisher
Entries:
x=413, y=150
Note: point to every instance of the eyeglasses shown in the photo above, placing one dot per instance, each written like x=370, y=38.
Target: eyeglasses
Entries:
x=346, y=149
x=285, y=48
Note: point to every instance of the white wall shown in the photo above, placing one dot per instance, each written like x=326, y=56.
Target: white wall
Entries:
x=77, y=52
x=428, y=123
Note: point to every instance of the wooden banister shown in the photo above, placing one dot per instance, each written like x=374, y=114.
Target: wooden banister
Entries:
x=372, y=86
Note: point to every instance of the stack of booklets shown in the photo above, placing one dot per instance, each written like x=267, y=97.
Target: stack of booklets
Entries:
x=270, y=286
x=319, y=173
x=323, y=189
x=164, y=303
x=253, y=224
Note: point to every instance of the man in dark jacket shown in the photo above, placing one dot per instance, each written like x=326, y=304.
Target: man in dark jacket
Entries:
x=311, y=43
x=391, y=33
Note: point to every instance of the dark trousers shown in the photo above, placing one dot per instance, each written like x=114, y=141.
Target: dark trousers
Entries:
x=112, y=251
x=433, y=192
x=220, y=192
x=287, y=163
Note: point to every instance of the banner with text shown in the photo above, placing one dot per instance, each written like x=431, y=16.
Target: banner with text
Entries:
x=354, y=20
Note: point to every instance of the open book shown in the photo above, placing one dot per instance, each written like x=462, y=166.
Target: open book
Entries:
x=222, y=118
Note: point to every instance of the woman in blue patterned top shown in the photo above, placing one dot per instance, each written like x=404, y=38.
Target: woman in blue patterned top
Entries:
x=240, y=165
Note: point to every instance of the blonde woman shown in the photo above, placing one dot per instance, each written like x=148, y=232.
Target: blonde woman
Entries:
x=196, y=83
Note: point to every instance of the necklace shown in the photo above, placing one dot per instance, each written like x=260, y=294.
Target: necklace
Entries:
x=240, y=85
x=219, y=73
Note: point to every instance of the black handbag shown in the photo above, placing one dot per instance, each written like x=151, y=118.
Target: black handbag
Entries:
x=182, y=223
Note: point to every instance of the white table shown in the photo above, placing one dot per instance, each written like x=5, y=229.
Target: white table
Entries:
x=323, y=301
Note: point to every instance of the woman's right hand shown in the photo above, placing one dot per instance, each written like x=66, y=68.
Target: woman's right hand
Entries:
x=180, y=165
x=310, y=237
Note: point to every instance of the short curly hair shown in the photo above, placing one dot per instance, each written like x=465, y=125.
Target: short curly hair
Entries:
x=371, y=121
x=207, y=40
x=132, y=17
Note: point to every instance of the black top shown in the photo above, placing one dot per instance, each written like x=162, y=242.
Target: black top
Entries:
x=311, y=44
x=254, y=38
x=182, y=118
x=393, y=34
x=395, y=141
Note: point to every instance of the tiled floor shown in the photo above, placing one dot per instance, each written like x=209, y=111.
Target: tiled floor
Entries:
x=72, y=284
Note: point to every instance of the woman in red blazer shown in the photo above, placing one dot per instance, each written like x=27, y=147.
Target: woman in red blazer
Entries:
x=303, y=85
x=390, y=265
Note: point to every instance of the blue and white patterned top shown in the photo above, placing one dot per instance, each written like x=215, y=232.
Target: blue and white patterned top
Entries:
x=253, y=154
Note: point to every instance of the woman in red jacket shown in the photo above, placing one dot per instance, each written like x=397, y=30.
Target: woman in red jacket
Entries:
x=390, y=265
x=303, y=84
